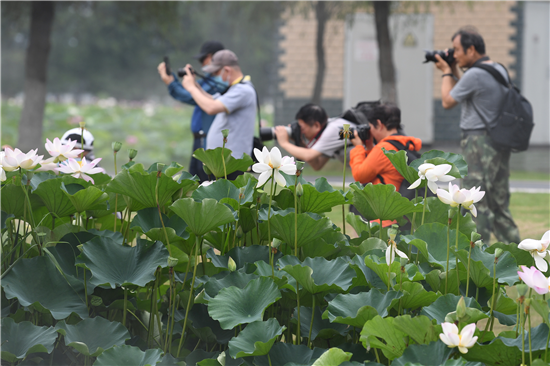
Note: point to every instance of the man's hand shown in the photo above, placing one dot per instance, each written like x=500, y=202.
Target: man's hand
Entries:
x=356, y=141
x=163, y=75
x=188, y=80
x=281, y=134
x=443, y=65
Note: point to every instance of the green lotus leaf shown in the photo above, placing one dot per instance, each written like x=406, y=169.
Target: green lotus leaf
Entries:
x=320, y=248
x=40, y=177
x=13, y=200
x=381, y=201
x=310, y=228
x=247, y=219
x=291, y=179
x=318, y=275
x=321, y=328
x=432, y=354
x=83, y=199
x=419, y=328
x=382, y=334
x=22, y=339
x=147, y=221
x=435, y=235
x=256, y=339
x=399, y=161
x=198, y=315
x=522, y=257
x=213, y=160
x=287, y=354
x=243, y=256
x=54, y=198
x=5, y=217
x=282, y=279
x=201, y=217
x=446, y=304
x=357, y=223
x=416, y=296
x=237, y=279
x=332, y=357
x=369, y=245
x=140, y=186
x=379, y=266
x=436, y=157
x=93, y=335
x=170, y=170
x=319, y=198
x=120, y=203
x=233, y=306
x=541, y=307
x=364, y=272
x=222, y=188
x=507, y=351
x=128, y=355
x=481, y=267
x=201, y=358
x=118, y=265
x=357, y=309
x=50, y=289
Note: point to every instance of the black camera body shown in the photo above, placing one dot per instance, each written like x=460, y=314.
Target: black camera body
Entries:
x=446, y=56
x=294, y=133
x=363, y=131
x=180, y=72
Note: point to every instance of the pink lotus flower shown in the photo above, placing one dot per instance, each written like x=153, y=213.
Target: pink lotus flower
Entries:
x=80, y=169
x=62, y=152
x=2, y=172
x=269, y=161
x=15, y=159
x=452, y=338
x=538, y=249
x=48, y=165
x=535, y=279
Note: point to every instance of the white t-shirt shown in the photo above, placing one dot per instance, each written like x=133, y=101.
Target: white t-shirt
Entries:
x=329, y=143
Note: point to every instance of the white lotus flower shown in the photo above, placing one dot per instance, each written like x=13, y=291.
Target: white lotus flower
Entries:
x=48, y=165
x=452, y=338
x=2, y=172
x=433, y=173
x=538, y=249
x=465, y=197
x=271, y=162
x=15, y=159
x=535, y=279
x=80, y=169
x=391, y=251
x=62, y=152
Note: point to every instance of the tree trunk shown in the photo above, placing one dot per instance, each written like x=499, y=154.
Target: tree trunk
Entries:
x=322, y=18
x=385, y=57
x=36, y=65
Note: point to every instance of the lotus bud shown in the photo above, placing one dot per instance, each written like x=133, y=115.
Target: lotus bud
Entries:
x=172, y=262
x=276, y=243
x=240, y=232
x=498, y=253
x=221, y=358
x=392, y=232
x=225, y=133
x=132, y=154
x=29, y=176
x=96, y=300
x=475, y=236
x=160, y=166
x=479, y=243
x=403, y=261
x=231, y=264
x=206, y=169
x=299, y=190
x=522, y=289
x=461, y=308
x=82, y=124
x=80, y=247
x=451, y=213
x=116, y=146
x=299, y=165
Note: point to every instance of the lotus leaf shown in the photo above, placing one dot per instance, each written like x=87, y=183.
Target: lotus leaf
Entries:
x=436, y=157
x=310, y=228
x=233, y=306
x=287, y=353
x=93, y=335
x=223, y=189
x=256, y=339
x=399, y=161
x=212, y=158
x=481, y=267
x=54, y=198
x=128, y=355
x=22, y=339
x=420, y=328
x=416, y=296
x=13, y=200
x=446, y=304
x=382, y=334
x=83, y=199
x=432, y=354
x=321, y=328
x=201, y=217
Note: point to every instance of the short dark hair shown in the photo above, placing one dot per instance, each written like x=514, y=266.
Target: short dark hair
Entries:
x=388, y=114
x=311, y=113
x=470, y=37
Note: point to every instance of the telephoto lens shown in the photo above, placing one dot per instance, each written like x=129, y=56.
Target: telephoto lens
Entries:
x=268, y=133
x=446, y=56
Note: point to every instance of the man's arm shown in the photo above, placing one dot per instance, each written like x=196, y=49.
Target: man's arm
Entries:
x=448, y=82
x=204, y=100
x=311, y=156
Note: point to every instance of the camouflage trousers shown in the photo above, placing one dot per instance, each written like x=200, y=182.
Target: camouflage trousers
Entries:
x=490, y=169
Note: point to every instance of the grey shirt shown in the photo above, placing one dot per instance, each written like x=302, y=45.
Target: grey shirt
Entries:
x=240, y=102
x=329, y=143
x=479, y=87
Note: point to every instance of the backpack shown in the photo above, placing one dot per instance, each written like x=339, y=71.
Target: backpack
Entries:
x=511, y=130
x=358, y=114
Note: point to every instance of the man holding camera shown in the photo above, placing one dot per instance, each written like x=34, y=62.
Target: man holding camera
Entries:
x=321, y=134
x=235, y=109
x=480, y=96
x=200, y=121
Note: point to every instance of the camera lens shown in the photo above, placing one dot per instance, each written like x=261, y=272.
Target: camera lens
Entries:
x=267, y=133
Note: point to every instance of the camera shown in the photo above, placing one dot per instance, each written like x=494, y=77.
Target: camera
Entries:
x=294, y=132
x=363, y=131
x=446, y=56
x=181, y=72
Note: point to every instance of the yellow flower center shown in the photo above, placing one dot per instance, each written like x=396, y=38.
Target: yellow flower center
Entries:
x=80, y=163
x=270, y=165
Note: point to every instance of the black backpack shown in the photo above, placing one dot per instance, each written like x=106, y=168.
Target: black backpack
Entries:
x=358, y=114
x=511, y=130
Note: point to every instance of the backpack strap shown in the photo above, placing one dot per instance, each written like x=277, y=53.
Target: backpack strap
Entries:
x=495, y=73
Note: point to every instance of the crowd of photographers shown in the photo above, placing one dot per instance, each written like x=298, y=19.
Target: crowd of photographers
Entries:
x=225, y=99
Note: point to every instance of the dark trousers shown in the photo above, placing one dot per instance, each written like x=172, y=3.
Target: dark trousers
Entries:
x=195, y=166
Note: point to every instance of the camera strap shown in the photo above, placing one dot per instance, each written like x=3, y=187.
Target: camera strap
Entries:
x=314, y=140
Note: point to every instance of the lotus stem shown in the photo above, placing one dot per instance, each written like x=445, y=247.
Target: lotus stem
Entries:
x=190, y=295
x=223, y=160
x=527, y=310
x=86, y=290
x=413, y=223
x=468, y=270
x=125, y=306
x=311, y=322
x=159, y=173
x=425, y=204
x=448, y=252
x=298, y=340
x=389, y=268
x=269, y=359
x=546, y=349
x=269, y=223
x=522, y=341
x=344, y=185
x=376, y=354
x=296, y=216
x=456, y=250
x=493, y=296
x=116, y=194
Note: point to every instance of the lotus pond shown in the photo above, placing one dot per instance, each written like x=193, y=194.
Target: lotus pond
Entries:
x=150, y=268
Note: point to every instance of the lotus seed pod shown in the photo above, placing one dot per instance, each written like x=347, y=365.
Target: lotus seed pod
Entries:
x=522, y=289
x=172, y=262
x=240, y=232
x=206, y=169
x=276, y=243
x=461, y=308
x=82, y=124
x=160, y=166
x=498, y=252
x=479, y=243
x=96, y=300
x=299, y=165
x=475, y=236
x=29, y=176
x=225, y=133
x=231, y=264
x=392, y=233
x=403, y=261
x=132, y=153
x=299, y=190
x=116, y=146
x=527, y=303
x=80, y=247
x=451, y=213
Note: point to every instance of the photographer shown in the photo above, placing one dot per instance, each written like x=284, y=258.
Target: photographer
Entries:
x=480, y=96
x=200, y=121
x=322, y=137
x=368, y=162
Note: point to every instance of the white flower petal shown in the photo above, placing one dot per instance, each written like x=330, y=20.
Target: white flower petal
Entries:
x=259, y=156
x=289, y=169
x=262, y=179
x=473, y=210
x=415, y=184
x=260, y=168
x=530, y=244
x=432, y=186
x=400, y=253
x=545, y=238
x=279, y=178
x=541, y=264
x=275, y=157
x=389, y=255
